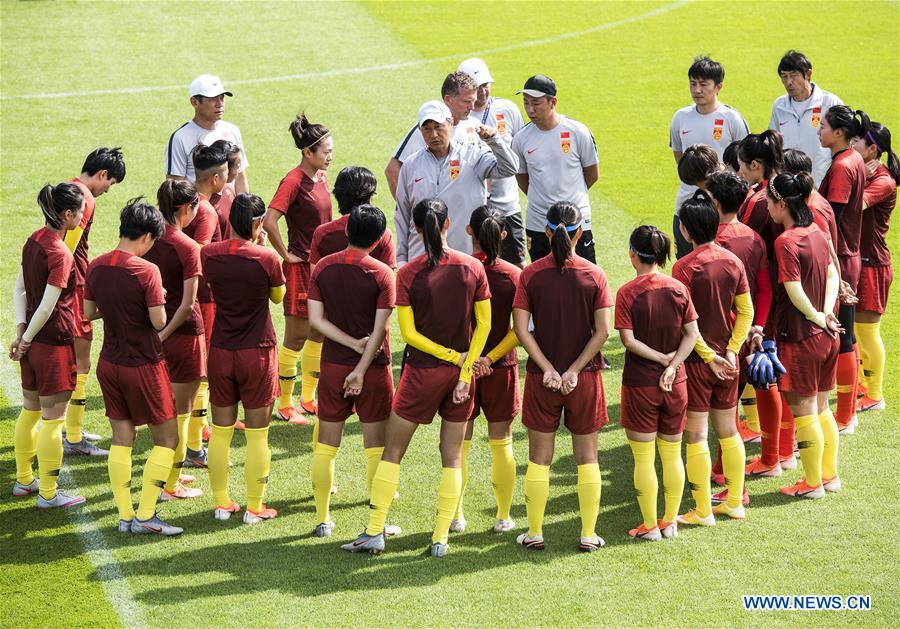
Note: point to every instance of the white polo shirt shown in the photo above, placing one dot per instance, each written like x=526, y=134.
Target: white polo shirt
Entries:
x=457, y=179
x=464, y=132
x=554, y=161
x=799, y=123
x=716, y=129
x=504, y=116
x=189, y=135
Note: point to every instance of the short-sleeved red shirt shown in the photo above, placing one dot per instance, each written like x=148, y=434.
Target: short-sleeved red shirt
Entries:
x=331, y=237
x=562, y=304
x=443, y=299
x=125, y=287
x=747, y=245
x=655, y=308
x=823, y=215
x=203, y=230
x=352, y=286
x=845, y=183
x=87, y=219
x=306, y=204
x=880, y=198
x=754, y=213
x=802, y=257
x=178, y=259
x=47, y=260
x=240, y=274
x=503, y=280
x=221, y=203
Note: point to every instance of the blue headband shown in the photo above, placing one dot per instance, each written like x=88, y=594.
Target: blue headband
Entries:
x=569, y=228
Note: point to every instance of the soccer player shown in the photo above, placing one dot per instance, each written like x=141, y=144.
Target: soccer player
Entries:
x=222, y=201
x=103, y=168
x=796, y=162
x=717, y=283
x=43, y=298
x=807, y=331
x=243, y=362
x=658, y=327
x=351, y=297
x=697, y=163
x=439, y=295
x=184, y=345
x=568, y=300
x=879, y=199
x=302, y=198
x=127, y=292
x=730, y=157
x=798, y=114
x=707, y=121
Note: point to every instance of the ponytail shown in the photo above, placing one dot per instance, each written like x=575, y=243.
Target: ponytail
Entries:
x=55, y=200
x=487, y=225
x=854, y=124
x=699, y=216
x=793, y=190
x=650, y=245
x=429, y=215
x=245, y=210
x=306, y=134
x=172, y=195
x=766, y=148
x=563, y=221
x=879, y=136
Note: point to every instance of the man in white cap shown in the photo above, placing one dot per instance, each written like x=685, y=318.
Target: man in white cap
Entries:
x=449, y=170
x=505, y=117
x=208, y=100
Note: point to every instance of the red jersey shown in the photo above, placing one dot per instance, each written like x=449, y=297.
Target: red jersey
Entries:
x=503, y=279
x=754, y=213
x=802, y=257
x=352, y=287
x=845, y=183
x=240, y=274
x=203, y=230
x=823, y=215
x=178, y=259
x=87, y=219
x=655, y=308
x=306, y=204
x=221, y=203
x=47, y=261
x=562, y=304
x=443, y=299
x=331, y=237
x=125, y=287
x=880, y=197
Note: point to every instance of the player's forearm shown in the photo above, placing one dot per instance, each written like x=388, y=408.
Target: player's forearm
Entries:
x=508, y=343
x=526, y=338
x=595, y=343
x=742, y=322
x=270, y=224
x=832, y=288
x=418, y=340
x=241, y=184
x=479, y=338
x=802, y=303
x=688, y=340
x=20, y=298
x=762, y=298
x=43, y=312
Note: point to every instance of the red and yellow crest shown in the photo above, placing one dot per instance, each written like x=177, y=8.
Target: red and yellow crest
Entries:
x=718, y=124
x=816, y=117
x=565, y=142
x=454, y=169
x=501, y=124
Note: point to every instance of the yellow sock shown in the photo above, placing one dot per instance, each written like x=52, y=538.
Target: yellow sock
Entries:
x=217, y=459
x=589, y=490
x=831, y=444
x=384, y=486
x=287, y=375
x=864, y=360
x=119, y=465
x=748, y=404
x=448, y=497
x=310, y=357
x=645, y=483
x=698, y=468
x=180, y=450
x=323, y=479
x=49, y=455
x=811, y=443
x=373, y=457
x=156, y=469
x=75, y=412
x=869, y=336
x=198, y=418
x=537, y=491
x=673, y=476
x=733, y=462
x=257, y=466
x=458, y=515
x=25, y=441
x=503, y=474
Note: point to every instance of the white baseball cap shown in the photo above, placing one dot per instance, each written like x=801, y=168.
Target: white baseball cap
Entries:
x=434, y=110
x=209, y=86
x=477, y=69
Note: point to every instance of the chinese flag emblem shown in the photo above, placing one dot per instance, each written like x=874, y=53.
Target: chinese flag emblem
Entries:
x=565, y=142
x=718, y=124
x=454, y=169
x=816, y=117
x=501, y=124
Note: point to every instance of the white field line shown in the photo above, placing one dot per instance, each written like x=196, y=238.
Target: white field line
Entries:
x=324, y=74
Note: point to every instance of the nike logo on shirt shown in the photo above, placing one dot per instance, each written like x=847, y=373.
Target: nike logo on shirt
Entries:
x=781, y=124
x=418, y=179
x=531, y=151
x=686, y=132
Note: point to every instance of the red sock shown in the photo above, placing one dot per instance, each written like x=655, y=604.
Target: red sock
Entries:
x=847, y=374
x=786, y=439
x=769, y=405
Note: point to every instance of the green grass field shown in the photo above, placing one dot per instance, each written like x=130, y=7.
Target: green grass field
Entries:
x=363, y=69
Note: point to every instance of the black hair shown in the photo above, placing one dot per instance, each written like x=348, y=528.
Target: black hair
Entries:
x=138, y=218
x=206, y=158
x=796, y=162
x=109, y=159
x=456, y=81
x=794, y=61
x=729, y=189
x=854, y=124
x=365, y=226
x=487, y=225
x=55, y=200
x=245, y=210
x=705, y=68
x=697, y=163
x=353, y=186
x=429, y=215
x=564, y=215
x=699, y=218
x=306, y=134
x=879, y=136
x=793, y=190
x=765, y=148
x=232, y=150
x=172, y=194
x=730, y=155
x=650, y=244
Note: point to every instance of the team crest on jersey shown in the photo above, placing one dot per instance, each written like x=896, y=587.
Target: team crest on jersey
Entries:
x=565, y=142
x=718, y=124
x=501, y=124
x=454, y=169
x=816, y=117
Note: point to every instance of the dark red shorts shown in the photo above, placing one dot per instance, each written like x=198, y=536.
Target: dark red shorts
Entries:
x=48, y=369
x=373, y=404
x=208, y=311
x=297, y=287
x=141, y=395
x=248, y=376
x=811, y=365
x=583, y=410
x=497, y=395
x=650, y=409
x=84, y=329
x=851, y=267
x=705, y=391
x=185, y=357
x=424, y=392
x=873, y=288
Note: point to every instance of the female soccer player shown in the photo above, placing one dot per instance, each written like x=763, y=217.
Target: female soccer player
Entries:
x=302, y=198
x=879, y=199
x=45, y=348
x=184, y=345
x=439, y=293
x=658, y=326
x=568, y=300
x=807, y=331
x=222, y=201
x=243, y=365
